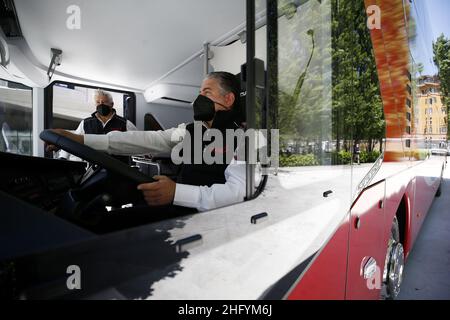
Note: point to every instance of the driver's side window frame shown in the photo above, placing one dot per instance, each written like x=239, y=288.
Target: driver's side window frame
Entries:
x=129, y=109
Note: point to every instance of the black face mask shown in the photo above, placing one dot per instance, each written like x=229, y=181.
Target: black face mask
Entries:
x=104, y=110
x=203, y=109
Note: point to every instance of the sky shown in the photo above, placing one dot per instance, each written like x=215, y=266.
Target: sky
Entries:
x=429, y=27
x=439, y=17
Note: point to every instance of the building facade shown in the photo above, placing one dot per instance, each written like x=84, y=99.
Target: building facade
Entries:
x=432, y=118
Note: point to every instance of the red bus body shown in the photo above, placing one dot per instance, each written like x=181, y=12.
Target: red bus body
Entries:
x=407, y=192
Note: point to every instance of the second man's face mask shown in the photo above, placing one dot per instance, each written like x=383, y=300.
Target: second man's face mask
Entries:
x=103, y=109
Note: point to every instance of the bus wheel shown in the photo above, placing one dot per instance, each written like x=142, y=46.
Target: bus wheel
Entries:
x=438, y=192
x=394, y=263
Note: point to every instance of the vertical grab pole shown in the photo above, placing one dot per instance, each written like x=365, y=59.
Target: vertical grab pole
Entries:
x=206, y=58
x=250, y=97
x=272, y=64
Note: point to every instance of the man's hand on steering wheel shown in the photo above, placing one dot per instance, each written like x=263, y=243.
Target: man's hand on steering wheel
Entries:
x=159, y=193
x=75, y=137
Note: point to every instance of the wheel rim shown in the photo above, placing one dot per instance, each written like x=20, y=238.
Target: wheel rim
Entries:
x=395, y=273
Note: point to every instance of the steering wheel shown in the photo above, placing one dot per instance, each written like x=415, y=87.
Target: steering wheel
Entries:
x=86, y=204
x=96, y=157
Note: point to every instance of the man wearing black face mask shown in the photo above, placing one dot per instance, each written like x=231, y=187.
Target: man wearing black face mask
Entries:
x=217, y=107
x=102, y=121
x=199, y=186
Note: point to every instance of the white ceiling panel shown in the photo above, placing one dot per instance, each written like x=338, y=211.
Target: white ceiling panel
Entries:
x=130, y=43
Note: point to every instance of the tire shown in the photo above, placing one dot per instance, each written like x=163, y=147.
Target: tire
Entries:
x=438, y=192
x=394, y=264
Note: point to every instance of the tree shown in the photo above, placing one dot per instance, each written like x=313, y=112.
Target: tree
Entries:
x=357, y=106
x=441, y=50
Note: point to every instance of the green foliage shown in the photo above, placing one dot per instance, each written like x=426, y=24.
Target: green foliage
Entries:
x=357, y=105
x=297, y=160
x=368, y=156
x=441, y=50
x=345, y=157
x=342, y=157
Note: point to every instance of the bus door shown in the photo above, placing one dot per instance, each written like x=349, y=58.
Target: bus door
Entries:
x=367, y=251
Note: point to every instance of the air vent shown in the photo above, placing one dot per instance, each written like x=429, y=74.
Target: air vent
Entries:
x=175, y=100
x=172, y=94
x=8, y=19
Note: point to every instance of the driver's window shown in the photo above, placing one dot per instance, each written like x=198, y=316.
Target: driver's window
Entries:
x=16, y=118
